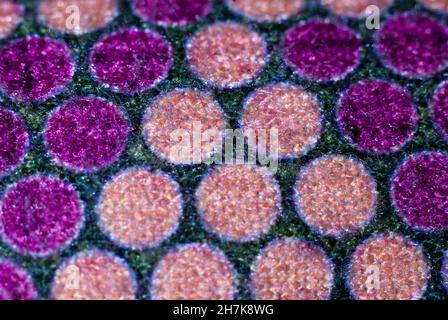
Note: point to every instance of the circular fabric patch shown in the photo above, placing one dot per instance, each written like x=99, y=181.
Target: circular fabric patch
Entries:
x=226, y=54
x=14, y=140
x=34, y=69
x=289, y=110
x=193, y=272
x=420, y=191
x=292, y=269
x=377, y=116
x=266, y=10
x=354, y=8
x=11, y=15
x=171, y=13
x=40, y=216
x=131, y=61
x=94, y=275
x=439, y=110
x=15, y=282
x=180, y=122
x=413, y=45
x=77, y=16
x=321, y=50
x=335, y=196
x=238, y=202
x=87, y=134
x=139, y=208
x=388, y=267
x=438, y=5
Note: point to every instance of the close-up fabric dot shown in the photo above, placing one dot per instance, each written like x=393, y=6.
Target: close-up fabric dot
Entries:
x=193, y=272
x=131, y=61
x=184, y=114
x=388, y=267
x=86, y=134
x=335, y=195
x=322, y=50
x=292, y=269
x=249, y=201
x=266, y=10
x=226, y=54
x=14, y=140
x=15, y=282
x=413, y=45
x=420, y=191
x=288, y=109
x=439, y=108
x=94, y=275
x=139, y=208
x=377, y=116
x=40, y=215
x=172, y=13
x=223, y=150
x=34, y=69
x=77, y=16
x=354, y=8
x=11, y=15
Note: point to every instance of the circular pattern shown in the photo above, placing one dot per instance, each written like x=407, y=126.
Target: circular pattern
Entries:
x=288, y=109
x=131, y=61
x=413, y=44
x=322, y=50
x=266, y=10
x=14, y=140
x=184, y=114
x=171, y=13
x=140, y=208
x=33, y=69
x=77, y=16
x=439, y=108
x=420, y=191
x=388, y=267
x=336, y=196
x=40, y=216
x=226, y=54
x=87, y=134
x=354, y=8
x=438, y=5
x=377, y=116
x=94, y=275
x=193, y=272
x=292, y=269
x=238, y=202
x=15, y=282
x=11, y=15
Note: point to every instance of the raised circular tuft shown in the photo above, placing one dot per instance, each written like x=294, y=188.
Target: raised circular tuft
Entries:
x=354, y=8
x=266, y=10
x=238, y=202
x=11, y=15
x=40, y=216
x=336, y=196
x=388, y=267
x=15, y=282
x=291, y=269
x=439, y=109
x=193, y=272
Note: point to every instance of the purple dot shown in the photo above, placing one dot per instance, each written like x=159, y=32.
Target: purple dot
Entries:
x=13, y=140
x=15, y=283
x=87, y=134
x=172, y=12
x=322, y=50
x=40, y=215
x=413, y=44
x=440, y=109
x=420, y=191
x=377, y=116
x=130, y=61
x=33, y=69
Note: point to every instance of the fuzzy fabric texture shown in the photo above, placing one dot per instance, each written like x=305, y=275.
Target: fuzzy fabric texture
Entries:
x=32, y=99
